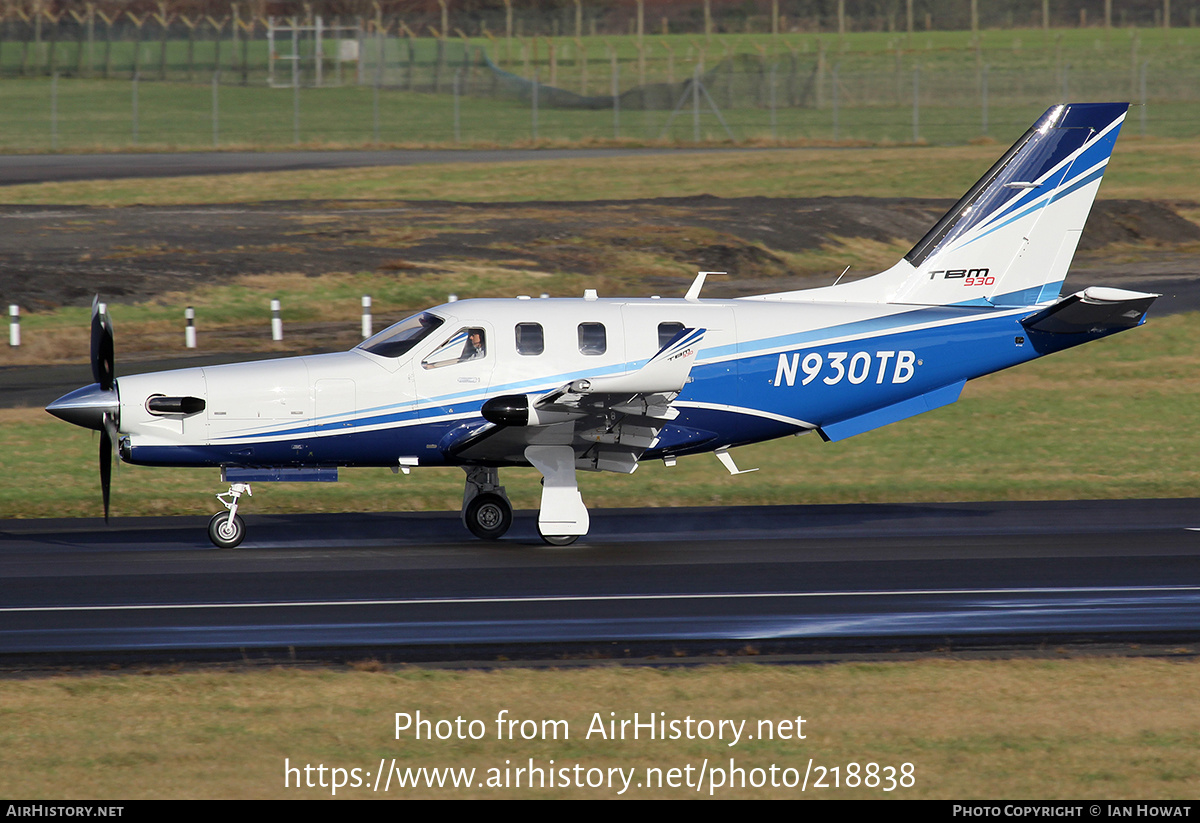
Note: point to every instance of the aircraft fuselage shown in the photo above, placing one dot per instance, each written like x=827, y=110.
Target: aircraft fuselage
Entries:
x=764, y=370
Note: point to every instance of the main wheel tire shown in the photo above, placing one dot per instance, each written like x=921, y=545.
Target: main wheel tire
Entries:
x=222, y=534
x=488, y=516
x=559, y=539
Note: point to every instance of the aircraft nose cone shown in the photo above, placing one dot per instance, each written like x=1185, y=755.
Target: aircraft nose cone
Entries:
x=86, y=407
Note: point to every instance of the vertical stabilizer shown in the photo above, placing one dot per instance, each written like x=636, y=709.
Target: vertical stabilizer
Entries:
x=1009, y=241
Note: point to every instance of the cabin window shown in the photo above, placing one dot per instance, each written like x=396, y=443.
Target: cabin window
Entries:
x=667, y=332
x=463, y=345
x=530, y=339
x=398, y=339
x=592, y=338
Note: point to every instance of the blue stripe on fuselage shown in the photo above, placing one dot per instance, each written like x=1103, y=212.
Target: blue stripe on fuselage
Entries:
x=940, y=355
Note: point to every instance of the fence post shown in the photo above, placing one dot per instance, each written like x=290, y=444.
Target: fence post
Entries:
x=984, y=94
x=616, y=74
x=774, y=119
x=164, y=21
x=108, y=34
x=379, y=52
x=458, y=116
x=835, y=101
x=216, y=111
x=916, y=117
x=295, y=83
x=135, y=108
x=91, y=38
x=54, y=112
x=191, y=46
x=137, y=39
x=581, y=60
x=1142, y=84
x=534, y=107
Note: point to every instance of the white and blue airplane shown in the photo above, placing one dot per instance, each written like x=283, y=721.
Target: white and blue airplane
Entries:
x=602, y=384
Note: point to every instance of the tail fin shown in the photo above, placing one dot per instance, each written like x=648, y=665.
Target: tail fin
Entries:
x=1010, y=239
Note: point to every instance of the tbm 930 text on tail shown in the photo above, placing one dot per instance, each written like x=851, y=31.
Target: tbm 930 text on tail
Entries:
x=600, y=384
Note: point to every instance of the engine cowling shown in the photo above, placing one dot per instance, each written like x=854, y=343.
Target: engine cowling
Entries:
x=522, y=410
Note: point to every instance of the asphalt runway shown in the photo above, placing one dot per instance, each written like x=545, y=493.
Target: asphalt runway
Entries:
x=397, y=584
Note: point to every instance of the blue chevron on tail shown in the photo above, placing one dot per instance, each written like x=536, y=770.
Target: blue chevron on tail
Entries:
x=1010, y=239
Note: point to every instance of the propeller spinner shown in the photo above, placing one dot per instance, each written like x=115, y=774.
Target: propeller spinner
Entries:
x=97, y=406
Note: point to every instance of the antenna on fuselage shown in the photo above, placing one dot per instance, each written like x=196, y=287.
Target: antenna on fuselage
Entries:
x=840, y=276
x=693, y=294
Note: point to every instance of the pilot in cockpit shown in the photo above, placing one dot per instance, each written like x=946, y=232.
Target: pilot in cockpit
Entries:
x=474, y=349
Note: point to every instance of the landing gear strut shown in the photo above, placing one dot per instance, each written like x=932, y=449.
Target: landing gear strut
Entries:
x=563, y=518
x=226, y=529
x=486, y=510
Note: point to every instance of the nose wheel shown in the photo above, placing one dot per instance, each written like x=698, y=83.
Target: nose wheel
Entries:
x=226, y=529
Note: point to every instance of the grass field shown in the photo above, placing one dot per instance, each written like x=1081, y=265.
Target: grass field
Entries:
x=1158, y=169
x=990, y=730
x=936, y=87
x=1115, y=418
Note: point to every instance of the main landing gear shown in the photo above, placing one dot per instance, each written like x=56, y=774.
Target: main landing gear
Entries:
x=226, y=529
x=562, y=519
x=485, y=510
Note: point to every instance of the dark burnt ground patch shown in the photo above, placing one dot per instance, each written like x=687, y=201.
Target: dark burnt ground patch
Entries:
x=56, y=256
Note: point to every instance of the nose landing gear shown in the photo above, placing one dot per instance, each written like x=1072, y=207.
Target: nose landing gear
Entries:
x=226, y=529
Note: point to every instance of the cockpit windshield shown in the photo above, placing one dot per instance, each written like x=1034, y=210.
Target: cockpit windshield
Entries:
x=400, y=338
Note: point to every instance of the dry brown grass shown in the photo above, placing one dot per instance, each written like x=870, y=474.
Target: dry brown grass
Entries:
x=1155, y=169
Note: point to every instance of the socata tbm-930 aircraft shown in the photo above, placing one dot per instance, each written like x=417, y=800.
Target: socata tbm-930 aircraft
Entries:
x=600, y=384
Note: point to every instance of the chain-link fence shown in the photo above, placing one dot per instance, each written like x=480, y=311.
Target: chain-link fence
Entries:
x=87, y=81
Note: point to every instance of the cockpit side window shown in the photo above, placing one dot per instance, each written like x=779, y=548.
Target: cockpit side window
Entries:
x=464, y=344
x=398, y=339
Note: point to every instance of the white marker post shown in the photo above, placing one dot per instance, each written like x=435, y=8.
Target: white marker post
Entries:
x=14, y=325
x=366, y=316
x=276, y=322
x=189, y=334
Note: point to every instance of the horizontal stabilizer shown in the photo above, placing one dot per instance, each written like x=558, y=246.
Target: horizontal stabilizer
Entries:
x=891, y=414
x=1092, y=310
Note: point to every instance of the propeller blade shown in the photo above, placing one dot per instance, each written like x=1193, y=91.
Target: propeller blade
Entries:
x=106, y=450
x=102, y=345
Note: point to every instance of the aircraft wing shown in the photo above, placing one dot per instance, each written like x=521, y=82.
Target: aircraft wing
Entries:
x=608, y=421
